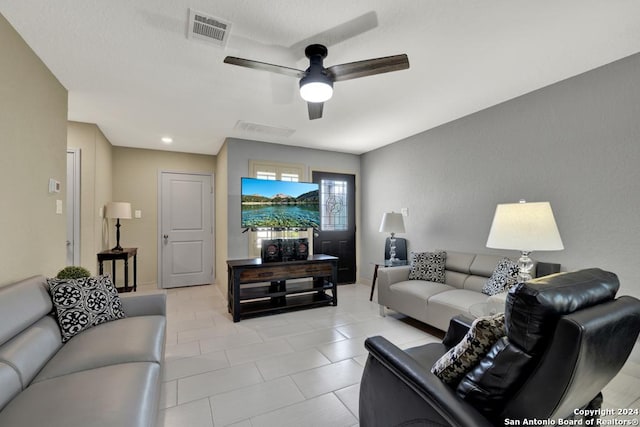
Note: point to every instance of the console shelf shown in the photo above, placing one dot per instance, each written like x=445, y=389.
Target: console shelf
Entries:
x=256, y=288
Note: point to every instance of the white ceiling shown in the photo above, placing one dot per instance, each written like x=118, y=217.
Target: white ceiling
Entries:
x=130, y=68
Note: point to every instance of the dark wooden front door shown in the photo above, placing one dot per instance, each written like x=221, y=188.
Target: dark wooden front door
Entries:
x=337, y=233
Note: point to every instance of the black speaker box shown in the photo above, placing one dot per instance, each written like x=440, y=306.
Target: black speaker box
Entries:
x=301, y=248
x=271, y=250
x=288, y=249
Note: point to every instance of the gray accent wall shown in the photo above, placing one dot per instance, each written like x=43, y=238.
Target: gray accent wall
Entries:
x=575, y=144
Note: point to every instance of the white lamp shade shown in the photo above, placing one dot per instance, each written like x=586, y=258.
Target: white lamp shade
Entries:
x=120, y=210
x=524, y=227
x=392, y=222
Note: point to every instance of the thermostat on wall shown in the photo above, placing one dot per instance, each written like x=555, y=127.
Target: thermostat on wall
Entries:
x=54, y=186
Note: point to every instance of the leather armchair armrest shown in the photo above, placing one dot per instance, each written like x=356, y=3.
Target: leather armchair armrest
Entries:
x=144, y=303
x=440, y=406
x=458, y=328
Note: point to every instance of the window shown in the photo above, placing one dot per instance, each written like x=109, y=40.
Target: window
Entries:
x=333, y=205
x=282, y=172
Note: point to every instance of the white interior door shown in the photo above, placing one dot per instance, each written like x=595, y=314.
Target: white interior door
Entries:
x=73, y=206
x=186, y=230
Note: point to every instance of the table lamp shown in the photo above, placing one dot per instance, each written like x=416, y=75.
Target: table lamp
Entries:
x=393, y=223
x=118, y=210
x=525, y=227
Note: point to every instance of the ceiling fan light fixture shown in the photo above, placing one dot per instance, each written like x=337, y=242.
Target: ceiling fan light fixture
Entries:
x=316, y=88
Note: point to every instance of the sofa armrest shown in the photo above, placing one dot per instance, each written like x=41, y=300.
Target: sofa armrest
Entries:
x=387, y=276
x=144, y=303
x=395, y=378
x=458, y=327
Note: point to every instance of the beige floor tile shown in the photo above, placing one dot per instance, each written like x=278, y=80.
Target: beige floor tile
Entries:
x=326, y=410
x=299, y=327
x=258, y=351
x=342, y=350
x=220, y=381
x=185, y=367
x=275, y=367
x=237, y=405
x=179, y=351
x=209, y=345
x=168, y=394
x=193, y=414
x=277, y=351
x=328, y=378
x=314, y=338
x=350, y=397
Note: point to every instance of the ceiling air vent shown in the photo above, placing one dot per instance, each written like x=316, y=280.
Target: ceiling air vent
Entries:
x=208, y=28
x=263, y=129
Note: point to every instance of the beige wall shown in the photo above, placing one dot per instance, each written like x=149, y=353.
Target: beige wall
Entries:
x=221, y=217
x=95, y=188
x=33, y=131
x=135, y=180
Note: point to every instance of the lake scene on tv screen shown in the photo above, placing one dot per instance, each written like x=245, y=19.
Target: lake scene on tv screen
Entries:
x=279, y=204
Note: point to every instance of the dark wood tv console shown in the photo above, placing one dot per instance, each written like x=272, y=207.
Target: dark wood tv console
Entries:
x=256, y=288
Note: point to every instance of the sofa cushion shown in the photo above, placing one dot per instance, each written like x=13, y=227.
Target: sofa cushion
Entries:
x=31, y=349
x=420, y=289
x=428, y=266
x=456, y=362
x=83, y=303
x=132, y=339
x=503, y=277
x=118, y=395
x=533, y=308
x=22, y=304
x=10, y=384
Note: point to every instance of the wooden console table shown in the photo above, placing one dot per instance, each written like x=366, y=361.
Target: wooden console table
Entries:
x=256, y=288
x=124, y=254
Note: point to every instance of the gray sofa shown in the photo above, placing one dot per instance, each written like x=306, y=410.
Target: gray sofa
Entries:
x=108, y=375
x=436, y=303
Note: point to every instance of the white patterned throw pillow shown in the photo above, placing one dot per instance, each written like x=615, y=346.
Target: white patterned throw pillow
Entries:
x=84, y=303
x=428, y=266
x=483, y=334
x=504, y=276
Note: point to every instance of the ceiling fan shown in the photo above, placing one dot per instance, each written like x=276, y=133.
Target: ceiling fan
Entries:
x=316, y=82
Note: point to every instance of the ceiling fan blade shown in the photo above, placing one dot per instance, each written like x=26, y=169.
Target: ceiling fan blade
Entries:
x=257, y=65
x=368, y=67
x=315, y=110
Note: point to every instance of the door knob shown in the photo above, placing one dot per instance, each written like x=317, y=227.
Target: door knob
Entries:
x=166, y=236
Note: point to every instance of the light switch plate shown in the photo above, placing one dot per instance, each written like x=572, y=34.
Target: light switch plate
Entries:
x=59, y=207
x=405, y=211
x=137, y=214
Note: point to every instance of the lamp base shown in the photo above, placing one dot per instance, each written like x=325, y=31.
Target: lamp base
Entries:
x=525, y=265
x=117, y=249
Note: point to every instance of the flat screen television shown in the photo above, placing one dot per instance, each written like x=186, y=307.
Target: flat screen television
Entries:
x=279, y=204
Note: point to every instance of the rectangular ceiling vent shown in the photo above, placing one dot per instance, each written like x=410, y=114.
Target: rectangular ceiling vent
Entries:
x=208, y=28
x=264, y=129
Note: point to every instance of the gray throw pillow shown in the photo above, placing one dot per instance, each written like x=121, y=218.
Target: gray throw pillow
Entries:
x=504, y=276
x=84, y=303
x=428, y=266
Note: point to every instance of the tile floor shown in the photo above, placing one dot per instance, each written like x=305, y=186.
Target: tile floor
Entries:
x=293, y=369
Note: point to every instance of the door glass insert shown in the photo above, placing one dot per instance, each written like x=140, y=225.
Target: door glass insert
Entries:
x=333, y=205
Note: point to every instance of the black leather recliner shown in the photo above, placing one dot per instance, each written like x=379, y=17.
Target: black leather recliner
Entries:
x=566, y=338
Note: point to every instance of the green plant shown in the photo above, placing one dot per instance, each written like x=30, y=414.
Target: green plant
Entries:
x=73, y=272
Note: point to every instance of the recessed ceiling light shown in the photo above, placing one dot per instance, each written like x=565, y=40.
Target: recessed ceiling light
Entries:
x=167, y=139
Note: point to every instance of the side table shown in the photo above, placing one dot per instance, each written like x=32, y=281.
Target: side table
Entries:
x=124, y=255
x=385, y=263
